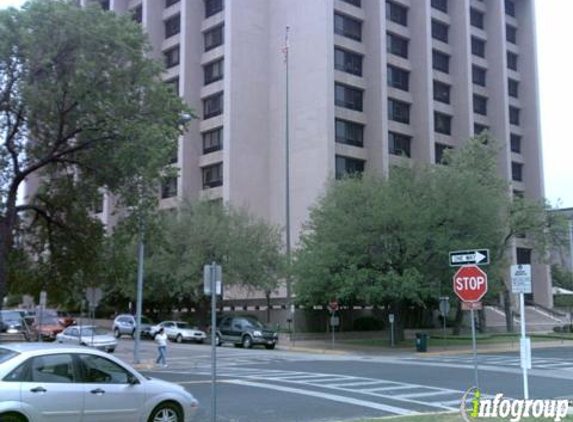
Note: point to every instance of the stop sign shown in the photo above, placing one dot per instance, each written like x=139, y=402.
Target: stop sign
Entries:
x=470, y=283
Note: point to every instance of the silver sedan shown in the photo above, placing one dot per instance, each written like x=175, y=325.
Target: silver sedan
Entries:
x=88, y=335
x=56, y=383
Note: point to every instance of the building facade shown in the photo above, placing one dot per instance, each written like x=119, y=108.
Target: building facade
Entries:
x=372, y=83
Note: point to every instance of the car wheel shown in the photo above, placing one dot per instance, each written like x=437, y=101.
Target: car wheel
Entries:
x=247, y=342
x=269, y=346
x=12, y=417
x=179, y=338
x=217, y=340
x=166, y=412
x=110, y=350
x=116, y=333
x=83, y=344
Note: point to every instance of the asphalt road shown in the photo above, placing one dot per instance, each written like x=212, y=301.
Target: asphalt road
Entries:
x=257, y=385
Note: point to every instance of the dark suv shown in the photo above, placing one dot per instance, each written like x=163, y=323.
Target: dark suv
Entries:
x=246, y=331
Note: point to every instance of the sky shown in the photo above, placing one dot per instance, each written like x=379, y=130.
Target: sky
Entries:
x=554, y=35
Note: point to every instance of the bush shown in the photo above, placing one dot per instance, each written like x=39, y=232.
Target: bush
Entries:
x=367, y=323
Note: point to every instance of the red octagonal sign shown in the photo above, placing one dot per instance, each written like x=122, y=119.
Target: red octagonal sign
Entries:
x=470, y=283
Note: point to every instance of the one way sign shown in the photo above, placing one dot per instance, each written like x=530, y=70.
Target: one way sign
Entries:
x=475, y=257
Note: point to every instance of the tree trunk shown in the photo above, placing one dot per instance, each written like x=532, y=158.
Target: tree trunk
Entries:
x=508, y=312
x=458, y=320
x=6, y=240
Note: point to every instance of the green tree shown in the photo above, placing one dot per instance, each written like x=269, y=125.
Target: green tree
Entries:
x=385, y=241
x=180, y=242
x=82, y=109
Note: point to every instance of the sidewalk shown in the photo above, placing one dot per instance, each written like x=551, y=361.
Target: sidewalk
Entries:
x=345, y=348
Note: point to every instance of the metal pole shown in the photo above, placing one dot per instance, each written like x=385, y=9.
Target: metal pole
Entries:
x=392, y=334
x=287, y=169
x=444, y=330
x=213, y=345
x=332, y=327
x=474, y=349
x=571, y=241
x=523, y=343
x=139, y=290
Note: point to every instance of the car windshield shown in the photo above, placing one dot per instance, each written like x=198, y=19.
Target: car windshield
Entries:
x=10, y=316
x=254, y=323
x=6, y=354
x=183, y=325
x=96, y=331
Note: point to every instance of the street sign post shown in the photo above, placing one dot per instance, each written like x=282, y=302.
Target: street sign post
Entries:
x=213, y=281
x=445, y=311
x=470, y=284
x=471, y=257
x=521, y=284
x=391, y=320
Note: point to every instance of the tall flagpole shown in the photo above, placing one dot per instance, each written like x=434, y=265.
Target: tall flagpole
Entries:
x=287, y=172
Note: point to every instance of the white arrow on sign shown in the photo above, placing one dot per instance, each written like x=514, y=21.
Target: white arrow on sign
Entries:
x=469, y=257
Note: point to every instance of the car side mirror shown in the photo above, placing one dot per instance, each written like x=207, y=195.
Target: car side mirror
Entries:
x=132, y=379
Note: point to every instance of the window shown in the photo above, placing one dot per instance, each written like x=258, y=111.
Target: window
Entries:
x=348, y=97
x=442, y=92
x=172, y=26
x=213, y=38
x=511, y=60
x=480, y=105
x=478, y=75
x=510, y=8
x=57, y=368
x=442, y=123
x=212, y=7
x=174, y=85
x=440, y=61
x=137, y=14
x=478, y=129
x=213, y=71
x=397, y=45
x=212, y=176
x=397, y=13
x=99, y=370
x=169, y=3
x=513, y=115
x=348, y=62
x=513, y=88
x=213, y=105
x=516, y=171
x=439, y=152
x=478, y=47
x=523, y=255
x=515, y=141
x=511, y=34
x=105, y=5
x=347, y=27
x=348, y=166
x=398, y=78
x=476, y=18
x=399, y=144
x=171, y=57
x=398, y=111
x=212, y=140
x=169, y=187
x=441, y=5
x=349, y=133
x=356, y=3
x=439, y=31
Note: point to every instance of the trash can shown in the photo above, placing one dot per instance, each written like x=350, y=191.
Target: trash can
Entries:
x=421, y=342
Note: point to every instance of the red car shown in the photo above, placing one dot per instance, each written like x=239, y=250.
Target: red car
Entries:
x=46, y=324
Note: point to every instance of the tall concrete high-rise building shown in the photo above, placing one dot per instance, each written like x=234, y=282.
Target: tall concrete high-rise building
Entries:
x=372, y=83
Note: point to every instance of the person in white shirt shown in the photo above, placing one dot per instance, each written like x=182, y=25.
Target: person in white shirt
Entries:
x=161, y=340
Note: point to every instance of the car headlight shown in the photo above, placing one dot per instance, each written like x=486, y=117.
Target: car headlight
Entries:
x=257, y=333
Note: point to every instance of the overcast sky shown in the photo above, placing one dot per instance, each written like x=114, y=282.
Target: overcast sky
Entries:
x=555, y=34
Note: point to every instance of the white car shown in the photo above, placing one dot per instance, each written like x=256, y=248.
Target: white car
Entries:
x=42, y=382
x=88, y=335
x=180, y=331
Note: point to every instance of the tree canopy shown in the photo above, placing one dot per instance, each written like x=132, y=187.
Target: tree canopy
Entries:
x=374, y=240
x=82, y=110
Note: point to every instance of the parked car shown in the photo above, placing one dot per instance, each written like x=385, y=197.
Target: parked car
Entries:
x=88, y=335
x=46, y=325
x=65, y=318
x=246, y=331
x=180, y=331
x=41, y=382
x=10, y=321
x=125, y=324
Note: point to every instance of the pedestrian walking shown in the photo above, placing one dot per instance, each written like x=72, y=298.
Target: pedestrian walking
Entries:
x=161, y=340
